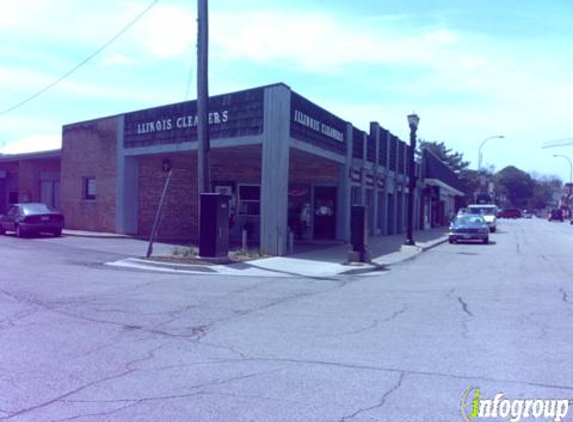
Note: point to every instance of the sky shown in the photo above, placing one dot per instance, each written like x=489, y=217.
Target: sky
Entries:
x=470, y=69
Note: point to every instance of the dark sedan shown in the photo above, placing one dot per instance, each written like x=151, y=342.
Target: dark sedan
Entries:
x=31, y=218
x=555, y=215
x=510, y=213
x=469, y=227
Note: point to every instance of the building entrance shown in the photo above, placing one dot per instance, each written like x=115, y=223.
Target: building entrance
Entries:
x=325, y=212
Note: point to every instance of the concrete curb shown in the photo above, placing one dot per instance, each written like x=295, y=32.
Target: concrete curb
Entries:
x=377, y=265
x=415, y=251
x=96, y=235
x=435, y=243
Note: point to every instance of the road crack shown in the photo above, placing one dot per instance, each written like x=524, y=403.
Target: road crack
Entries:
x=381, y=403
x=465, y=306
x=396, y=314
x=565, y=297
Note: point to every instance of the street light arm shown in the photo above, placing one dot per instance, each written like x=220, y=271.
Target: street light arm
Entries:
x=570, y=165
x=481, y=146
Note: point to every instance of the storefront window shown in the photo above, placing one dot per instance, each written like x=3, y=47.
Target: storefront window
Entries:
x=250, y=200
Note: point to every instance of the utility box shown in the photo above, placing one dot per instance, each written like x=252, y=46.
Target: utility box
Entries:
x=214, y=230
x=359, y=234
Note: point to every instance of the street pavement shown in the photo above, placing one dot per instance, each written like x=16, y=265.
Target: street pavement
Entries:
x=83, y=341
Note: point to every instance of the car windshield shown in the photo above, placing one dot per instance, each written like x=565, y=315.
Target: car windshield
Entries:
x=31, y=209
x=470, y=219
x=482, y=210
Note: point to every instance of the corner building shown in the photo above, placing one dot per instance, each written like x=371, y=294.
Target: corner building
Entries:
x=286, y=163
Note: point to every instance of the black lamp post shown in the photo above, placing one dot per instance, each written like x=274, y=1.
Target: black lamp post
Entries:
x=413, y=121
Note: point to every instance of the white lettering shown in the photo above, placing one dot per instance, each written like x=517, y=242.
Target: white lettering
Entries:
x=496, y=400
x=181, y=122
x=562, y=409
x=516, y=410
x=537, y=408
x=528, y=404
x=504, y=408
x=305, y=120
x=485, y=408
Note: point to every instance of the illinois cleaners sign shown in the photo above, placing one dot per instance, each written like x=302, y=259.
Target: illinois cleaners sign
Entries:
x=317, y=126
x=230, y=116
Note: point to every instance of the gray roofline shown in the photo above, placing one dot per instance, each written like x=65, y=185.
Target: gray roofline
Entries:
x=36, y=155
x=97, y=119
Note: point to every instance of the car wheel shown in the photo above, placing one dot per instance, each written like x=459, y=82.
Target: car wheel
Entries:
x=493, y=229
x=452, y=241
x=486, y=241
x=19, y=232
x=58, y=232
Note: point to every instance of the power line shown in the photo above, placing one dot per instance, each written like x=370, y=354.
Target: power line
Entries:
x=82, y=63
x=558, y=143
x=189, y=81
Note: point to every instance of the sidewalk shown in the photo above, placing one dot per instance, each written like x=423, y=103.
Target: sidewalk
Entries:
x=315, y=260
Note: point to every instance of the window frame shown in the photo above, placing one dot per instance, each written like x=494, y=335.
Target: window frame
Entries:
x=86, y=194
x=240, y=200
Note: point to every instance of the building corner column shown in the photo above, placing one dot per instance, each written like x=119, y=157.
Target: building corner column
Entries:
x=375, y=137
x=127, y=187
x=275, y=170
x=345, y=189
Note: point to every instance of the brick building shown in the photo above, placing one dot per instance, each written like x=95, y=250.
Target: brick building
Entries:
x=30, y=177
x=286, y=163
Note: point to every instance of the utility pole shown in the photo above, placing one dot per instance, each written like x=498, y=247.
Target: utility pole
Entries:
x=203, y=145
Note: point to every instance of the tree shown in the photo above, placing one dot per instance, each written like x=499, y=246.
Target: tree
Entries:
x=543, y=191
x=469, y=180
x=454, y=160
x=516, y=185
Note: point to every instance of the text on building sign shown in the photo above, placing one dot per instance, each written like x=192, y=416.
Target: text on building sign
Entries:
x=181, y=122
x=318, y=126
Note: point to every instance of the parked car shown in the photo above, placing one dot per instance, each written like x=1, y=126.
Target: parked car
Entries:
x=469, y=227
x=527, y=214
x=29, y=218
x=487, y=211
x=555, y=214
x=510, y=213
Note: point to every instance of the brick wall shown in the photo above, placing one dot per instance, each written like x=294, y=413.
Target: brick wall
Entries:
x=179, y=215
x=29, y=177
x=89, y=150
x=305, y=168
x=8, y=182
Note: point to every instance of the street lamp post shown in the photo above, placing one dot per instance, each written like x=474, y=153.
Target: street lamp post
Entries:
x=570, y=166
x=413, y=121
x=481, y=146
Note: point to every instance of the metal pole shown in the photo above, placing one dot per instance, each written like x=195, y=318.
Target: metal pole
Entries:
x=411, y=187
x=158, y=216
x=203, y=145
x=570, y=166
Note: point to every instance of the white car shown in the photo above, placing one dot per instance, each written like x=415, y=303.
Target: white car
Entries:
x=488, y=211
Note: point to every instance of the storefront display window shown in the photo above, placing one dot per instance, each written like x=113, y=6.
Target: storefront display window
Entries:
x=250, y=200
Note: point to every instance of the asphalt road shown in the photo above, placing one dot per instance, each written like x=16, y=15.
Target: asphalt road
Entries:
x=80, y=341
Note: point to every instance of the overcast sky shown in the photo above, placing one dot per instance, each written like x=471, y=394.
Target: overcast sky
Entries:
x=470, y=69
